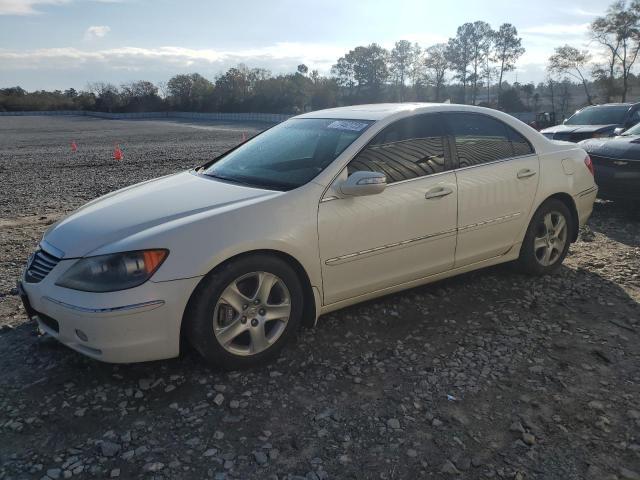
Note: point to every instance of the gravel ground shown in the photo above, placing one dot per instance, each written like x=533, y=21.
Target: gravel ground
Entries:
x=488, y=375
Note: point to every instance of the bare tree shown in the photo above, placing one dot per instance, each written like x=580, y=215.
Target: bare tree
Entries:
x=568, y=60
x=163, y=89
x=602, y=32
x=507, y=49
x=626, y=23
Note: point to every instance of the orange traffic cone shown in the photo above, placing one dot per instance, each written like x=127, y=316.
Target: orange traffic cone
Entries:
x=117, y=153
x=74, y=146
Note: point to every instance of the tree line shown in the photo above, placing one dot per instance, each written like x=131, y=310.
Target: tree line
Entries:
x=469, y=68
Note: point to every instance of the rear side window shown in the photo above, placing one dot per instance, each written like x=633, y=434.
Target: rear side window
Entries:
x=410, y=148
x=521, y=145
x=480, y=139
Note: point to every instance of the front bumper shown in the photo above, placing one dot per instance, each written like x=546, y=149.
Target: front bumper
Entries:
x=616, y=184
x=135, y=325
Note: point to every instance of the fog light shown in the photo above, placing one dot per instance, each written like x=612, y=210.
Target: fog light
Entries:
x=81, y=335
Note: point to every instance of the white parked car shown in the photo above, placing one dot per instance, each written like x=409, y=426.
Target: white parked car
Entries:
x=325, y=210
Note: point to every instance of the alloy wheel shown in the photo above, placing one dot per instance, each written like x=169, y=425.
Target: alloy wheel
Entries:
x=551, y=238
x=252, y=313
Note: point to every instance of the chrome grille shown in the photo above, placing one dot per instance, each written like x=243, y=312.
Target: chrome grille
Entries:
x=40, y=265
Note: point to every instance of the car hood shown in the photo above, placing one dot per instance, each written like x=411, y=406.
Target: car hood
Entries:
x=146, y=205
x=627, y=147
x=579, y=128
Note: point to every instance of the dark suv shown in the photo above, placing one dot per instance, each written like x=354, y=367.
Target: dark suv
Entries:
x=596, y=121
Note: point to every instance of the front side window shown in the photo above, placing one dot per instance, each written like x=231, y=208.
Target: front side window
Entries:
x=288, y=155
x=480, y=139
x=410, y=148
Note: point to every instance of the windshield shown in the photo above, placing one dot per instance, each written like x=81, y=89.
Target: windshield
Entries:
x=599, y=116
x=288, y=155
x=635, y=130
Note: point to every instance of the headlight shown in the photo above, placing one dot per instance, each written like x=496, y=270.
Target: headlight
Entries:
x=117, y=271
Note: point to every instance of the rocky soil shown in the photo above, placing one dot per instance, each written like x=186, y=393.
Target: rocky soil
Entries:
x=488, y=375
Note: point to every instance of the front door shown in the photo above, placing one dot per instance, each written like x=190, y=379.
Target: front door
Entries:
x=408, y=231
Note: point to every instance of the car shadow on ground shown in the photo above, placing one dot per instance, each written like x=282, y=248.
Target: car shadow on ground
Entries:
x=392, y=317
x=495, y=313
x=625, y=216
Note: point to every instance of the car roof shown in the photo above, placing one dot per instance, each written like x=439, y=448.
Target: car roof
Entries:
x=620, y=104
x=376, y=111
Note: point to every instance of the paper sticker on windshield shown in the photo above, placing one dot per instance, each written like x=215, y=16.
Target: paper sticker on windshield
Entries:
x=348, y=125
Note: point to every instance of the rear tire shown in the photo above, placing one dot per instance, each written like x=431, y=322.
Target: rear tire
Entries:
x=547, y=240
x=243, y=313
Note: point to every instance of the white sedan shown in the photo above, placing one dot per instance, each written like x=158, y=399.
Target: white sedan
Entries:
x=323, y=211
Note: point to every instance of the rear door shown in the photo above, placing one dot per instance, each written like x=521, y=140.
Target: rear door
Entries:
x=497, y=173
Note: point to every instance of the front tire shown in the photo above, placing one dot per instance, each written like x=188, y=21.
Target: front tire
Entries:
x=547, y=240
x=244, y=312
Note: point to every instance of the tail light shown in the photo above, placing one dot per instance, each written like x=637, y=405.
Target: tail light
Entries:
x=589, y=164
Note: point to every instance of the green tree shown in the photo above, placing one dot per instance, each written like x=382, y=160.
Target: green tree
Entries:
x=507, y=48
x=436, y=65
x=107, y=96
x=366, y=68
x=190, y=92
x=528, y=89
x=510, y=100
x=140, y=96
x=401, y=59
x=459, y=55
x=480, y=39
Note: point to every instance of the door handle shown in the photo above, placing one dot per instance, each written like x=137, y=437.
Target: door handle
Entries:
x=526, y=173
x=438, y=192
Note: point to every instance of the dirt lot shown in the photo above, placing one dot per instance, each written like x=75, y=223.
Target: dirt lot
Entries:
x=488, y=375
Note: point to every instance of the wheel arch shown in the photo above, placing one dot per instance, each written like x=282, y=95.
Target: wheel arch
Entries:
x=571, y=205
x=309, y=313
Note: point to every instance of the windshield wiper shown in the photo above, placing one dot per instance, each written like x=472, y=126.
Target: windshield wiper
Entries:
x=226, y=179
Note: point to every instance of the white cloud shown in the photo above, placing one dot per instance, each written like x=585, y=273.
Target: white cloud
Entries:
x=278, y=57
x=25, y=7
x=581, y=12
x=96, y=31
x=556, y=29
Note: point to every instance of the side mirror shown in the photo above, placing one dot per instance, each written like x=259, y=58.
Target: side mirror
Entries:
x=618, y=131
x=363, y=183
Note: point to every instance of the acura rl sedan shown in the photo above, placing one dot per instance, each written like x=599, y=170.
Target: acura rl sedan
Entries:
x=323, y=211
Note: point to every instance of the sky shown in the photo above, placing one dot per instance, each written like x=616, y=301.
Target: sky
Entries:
x=57, y=44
